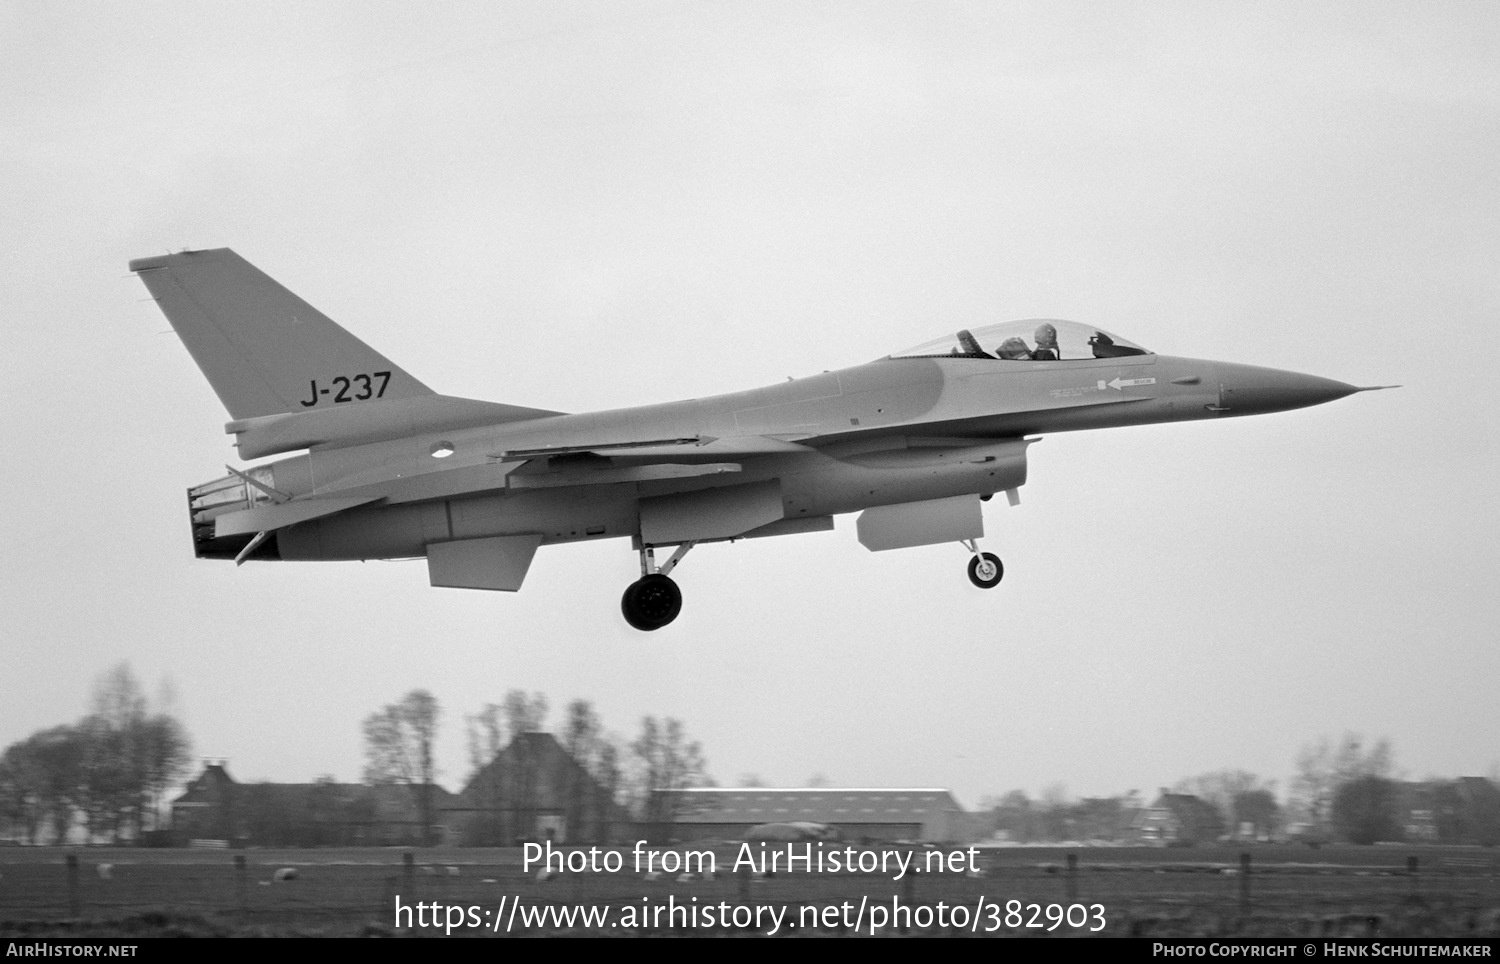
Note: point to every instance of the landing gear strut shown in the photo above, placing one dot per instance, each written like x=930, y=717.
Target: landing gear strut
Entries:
x=654, y=600
x=985, y=569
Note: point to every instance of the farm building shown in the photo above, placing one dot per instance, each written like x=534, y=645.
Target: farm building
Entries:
x=1478, y=811
x=926, y=815
x=216, y=807
x=205, y=811
x=1462, y=811
x=534, y=790
x=1179, y=820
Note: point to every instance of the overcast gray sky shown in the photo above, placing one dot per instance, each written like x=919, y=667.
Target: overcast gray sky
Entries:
x=588, y=205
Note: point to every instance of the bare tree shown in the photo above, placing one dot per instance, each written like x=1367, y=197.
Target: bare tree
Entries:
x=160, y=754
x=111, y=768
x=1323, y=767
x=524, y=714
x=486, y=732
x=505, y=794
x=42, y=778
x=1221, y=788
x=19, y=803
x=105, y=796
x=668, y=763
x=1054, y=812
x=117, y=698
x=581, y=735
x=111, y=794
x=1354, y=760
x=1014, y=815
x=132, y=754
x=1313, y=786
x=399, y=749
x=581, y=731
x=610, y=778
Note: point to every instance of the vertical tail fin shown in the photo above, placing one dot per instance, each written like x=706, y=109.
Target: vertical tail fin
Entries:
x=264, y=350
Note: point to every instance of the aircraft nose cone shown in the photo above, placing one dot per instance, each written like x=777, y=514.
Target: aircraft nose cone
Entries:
x=1250, y=390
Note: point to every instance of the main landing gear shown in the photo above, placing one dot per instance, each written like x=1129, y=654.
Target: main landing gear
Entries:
x=985, y=569
x=654, y=600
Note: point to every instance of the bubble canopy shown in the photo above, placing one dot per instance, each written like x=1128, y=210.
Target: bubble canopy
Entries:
x=1032, y=339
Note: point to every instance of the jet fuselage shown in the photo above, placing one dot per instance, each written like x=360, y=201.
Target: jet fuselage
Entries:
x=850, y=450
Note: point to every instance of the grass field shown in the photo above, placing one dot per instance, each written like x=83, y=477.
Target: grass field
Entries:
x=1290, y=891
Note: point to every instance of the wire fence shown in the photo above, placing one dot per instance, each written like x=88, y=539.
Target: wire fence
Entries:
x=1117, y=892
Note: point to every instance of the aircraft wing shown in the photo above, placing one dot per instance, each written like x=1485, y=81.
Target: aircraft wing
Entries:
x=698, y=448
x=648, y=460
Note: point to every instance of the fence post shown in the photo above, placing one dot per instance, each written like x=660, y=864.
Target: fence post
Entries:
x=1244, y=885
x=408, y=872
x=909, y=895
x=239, y=882
x=72, y=885
x=1411, y=871
x=1070, y=879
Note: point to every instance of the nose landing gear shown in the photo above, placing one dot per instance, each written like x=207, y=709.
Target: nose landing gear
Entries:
x=653, y=600
x=985, y=569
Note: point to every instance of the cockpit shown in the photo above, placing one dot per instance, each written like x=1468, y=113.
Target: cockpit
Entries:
x=1035, y=339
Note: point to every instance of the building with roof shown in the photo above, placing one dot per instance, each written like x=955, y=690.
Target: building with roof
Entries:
x=868, y=814
x=1461, y=811
x=1179, y=820
x=1478, y=810
x=205, y=809
x=535, y=790
x=216, y=807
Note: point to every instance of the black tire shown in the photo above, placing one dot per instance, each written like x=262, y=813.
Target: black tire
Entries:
x=651, y=602
x=983, y=580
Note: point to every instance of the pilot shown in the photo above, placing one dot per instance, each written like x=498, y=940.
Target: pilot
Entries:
x=1046, y=343
x=1013, y=349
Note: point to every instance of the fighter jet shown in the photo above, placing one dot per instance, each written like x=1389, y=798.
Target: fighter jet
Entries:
x=389, y=469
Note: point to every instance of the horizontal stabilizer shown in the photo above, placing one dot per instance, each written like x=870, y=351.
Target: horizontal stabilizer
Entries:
x=267, y=518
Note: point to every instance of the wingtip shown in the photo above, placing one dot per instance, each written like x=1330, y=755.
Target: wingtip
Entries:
x=168, y=260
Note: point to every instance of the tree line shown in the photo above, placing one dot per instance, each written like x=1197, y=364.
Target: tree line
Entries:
x=641, y=776
x=106, y=777
x=1343, y=790
x=107, y=773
